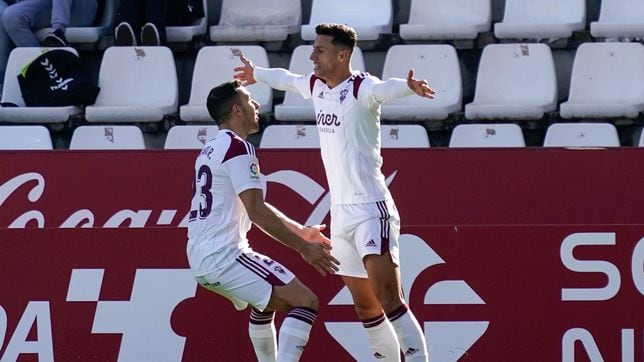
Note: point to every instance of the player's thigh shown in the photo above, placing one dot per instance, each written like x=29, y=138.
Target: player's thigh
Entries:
x=293, y=294
x=251, y=278
x=384, y=276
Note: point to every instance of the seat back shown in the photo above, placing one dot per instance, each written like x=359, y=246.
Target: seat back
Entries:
x=403, y=136
x=276, y=12
x=187, y=32
x=19, y=58
x=89, y=34
x=608, y=73
x=544, y=11
x=368, y=17
x=189, y=137
x=436, y=63
x=107, y=138
x=447, y=19
x=514, y=81
x=581, y=135
x=487, y=135
x=25, y=138
x=290, y=136
x=215, y=65
x=137, y=76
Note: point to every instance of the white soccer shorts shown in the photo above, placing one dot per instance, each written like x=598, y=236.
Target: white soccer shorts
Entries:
x=248, y=280
x=358, y=230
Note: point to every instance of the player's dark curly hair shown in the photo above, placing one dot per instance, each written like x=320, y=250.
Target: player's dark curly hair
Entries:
x=342, y=34
x=221, y=99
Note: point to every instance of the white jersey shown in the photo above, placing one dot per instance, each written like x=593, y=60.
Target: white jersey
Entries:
x=348, y=121
x=218, y=222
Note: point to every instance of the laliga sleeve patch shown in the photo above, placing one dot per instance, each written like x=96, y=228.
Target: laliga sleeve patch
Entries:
x=253, y=169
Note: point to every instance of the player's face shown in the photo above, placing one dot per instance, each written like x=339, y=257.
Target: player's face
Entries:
x=250, y=111
x=325, y=56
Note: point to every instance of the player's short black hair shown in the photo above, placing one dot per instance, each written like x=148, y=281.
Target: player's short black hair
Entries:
x=221, y=99
x=343, y=35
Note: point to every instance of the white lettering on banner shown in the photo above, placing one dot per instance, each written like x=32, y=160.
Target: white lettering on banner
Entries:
x=34, y=195
x=589, y=266
x=447, y=340
x=144, y=320
x=35, y=312
x=599, y=266
x=590, y=347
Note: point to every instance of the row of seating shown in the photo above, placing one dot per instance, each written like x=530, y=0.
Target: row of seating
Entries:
x=306, y=136
x=259, y=20
x=514, y=82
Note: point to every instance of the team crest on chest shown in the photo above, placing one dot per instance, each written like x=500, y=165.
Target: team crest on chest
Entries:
x=343, y=94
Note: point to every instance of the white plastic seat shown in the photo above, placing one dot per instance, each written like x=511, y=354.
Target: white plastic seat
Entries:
x=514, y=81
x=607, y=80
x=369, y=18
x=290, y=136
x=439, y=65
x=11, y=93
x=88, y=34
x=447, y=19
x=403, y=136
x=117, y=137
x=541, y=19
x=25, y=138
x=487, y=135
x=138, y=84
x=619, y=19
x=185, y=33
x=295, y=107
x=271, y=20
x=581, y=135
x=215, y=65
x=189, y=137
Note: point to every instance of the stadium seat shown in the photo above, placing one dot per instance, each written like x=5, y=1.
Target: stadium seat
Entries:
x=189, y=137
x=295, y=107
x=514, y=81
x=18, y=59
x=487, y=135
x=403, y=136
x=581, y=135
x=89, y=34
x=185, y=34
x=290, y=136
x=619, y=19
x=273, y=20
x=607, y=80
x=447, y=19
x=25, y=138
x=640, y=142
x=541, y=19
x=439, y=65
x=369, y=18
x=215, y=65
x=138, y=84
x=117, y=137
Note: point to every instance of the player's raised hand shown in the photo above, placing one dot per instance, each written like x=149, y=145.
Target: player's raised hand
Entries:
x=244, y=73
x=317, y=254
x=420, y=87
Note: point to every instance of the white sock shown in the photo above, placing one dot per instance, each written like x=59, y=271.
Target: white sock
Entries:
x=382, y=339
x=261, y=330
x=410, y=336
x=294, y=333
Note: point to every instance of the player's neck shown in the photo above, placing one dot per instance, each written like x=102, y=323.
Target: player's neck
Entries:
x=338, y=78
x=240, y=132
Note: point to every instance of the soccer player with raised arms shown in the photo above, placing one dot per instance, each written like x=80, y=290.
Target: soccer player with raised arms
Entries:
x=365, y=225
x=228, y=197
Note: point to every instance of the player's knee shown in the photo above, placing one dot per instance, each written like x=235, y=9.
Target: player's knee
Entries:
x=309, y=300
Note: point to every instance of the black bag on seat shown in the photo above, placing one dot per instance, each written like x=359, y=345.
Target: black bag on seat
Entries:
x=57, y=78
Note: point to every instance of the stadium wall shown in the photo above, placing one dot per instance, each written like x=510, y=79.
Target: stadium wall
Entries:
x=531, y=255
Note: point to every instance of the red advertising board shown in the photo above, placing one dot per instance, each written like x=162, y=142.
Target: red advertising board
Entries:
x=530, y=255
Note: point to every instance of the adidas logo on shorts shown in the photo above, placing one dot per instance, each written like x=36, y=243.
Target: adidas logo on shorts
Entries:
x=370, y=243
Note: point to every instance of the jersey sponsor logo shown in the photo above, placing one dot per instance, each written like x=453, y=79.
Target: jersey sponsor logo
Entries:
x=327, y=119
x=254, y=171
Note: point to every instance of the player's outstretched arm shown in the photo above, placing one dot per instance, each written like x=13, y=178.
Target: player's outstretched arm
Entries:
x=244, y=73
x=315, y=252
x=419, y=86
